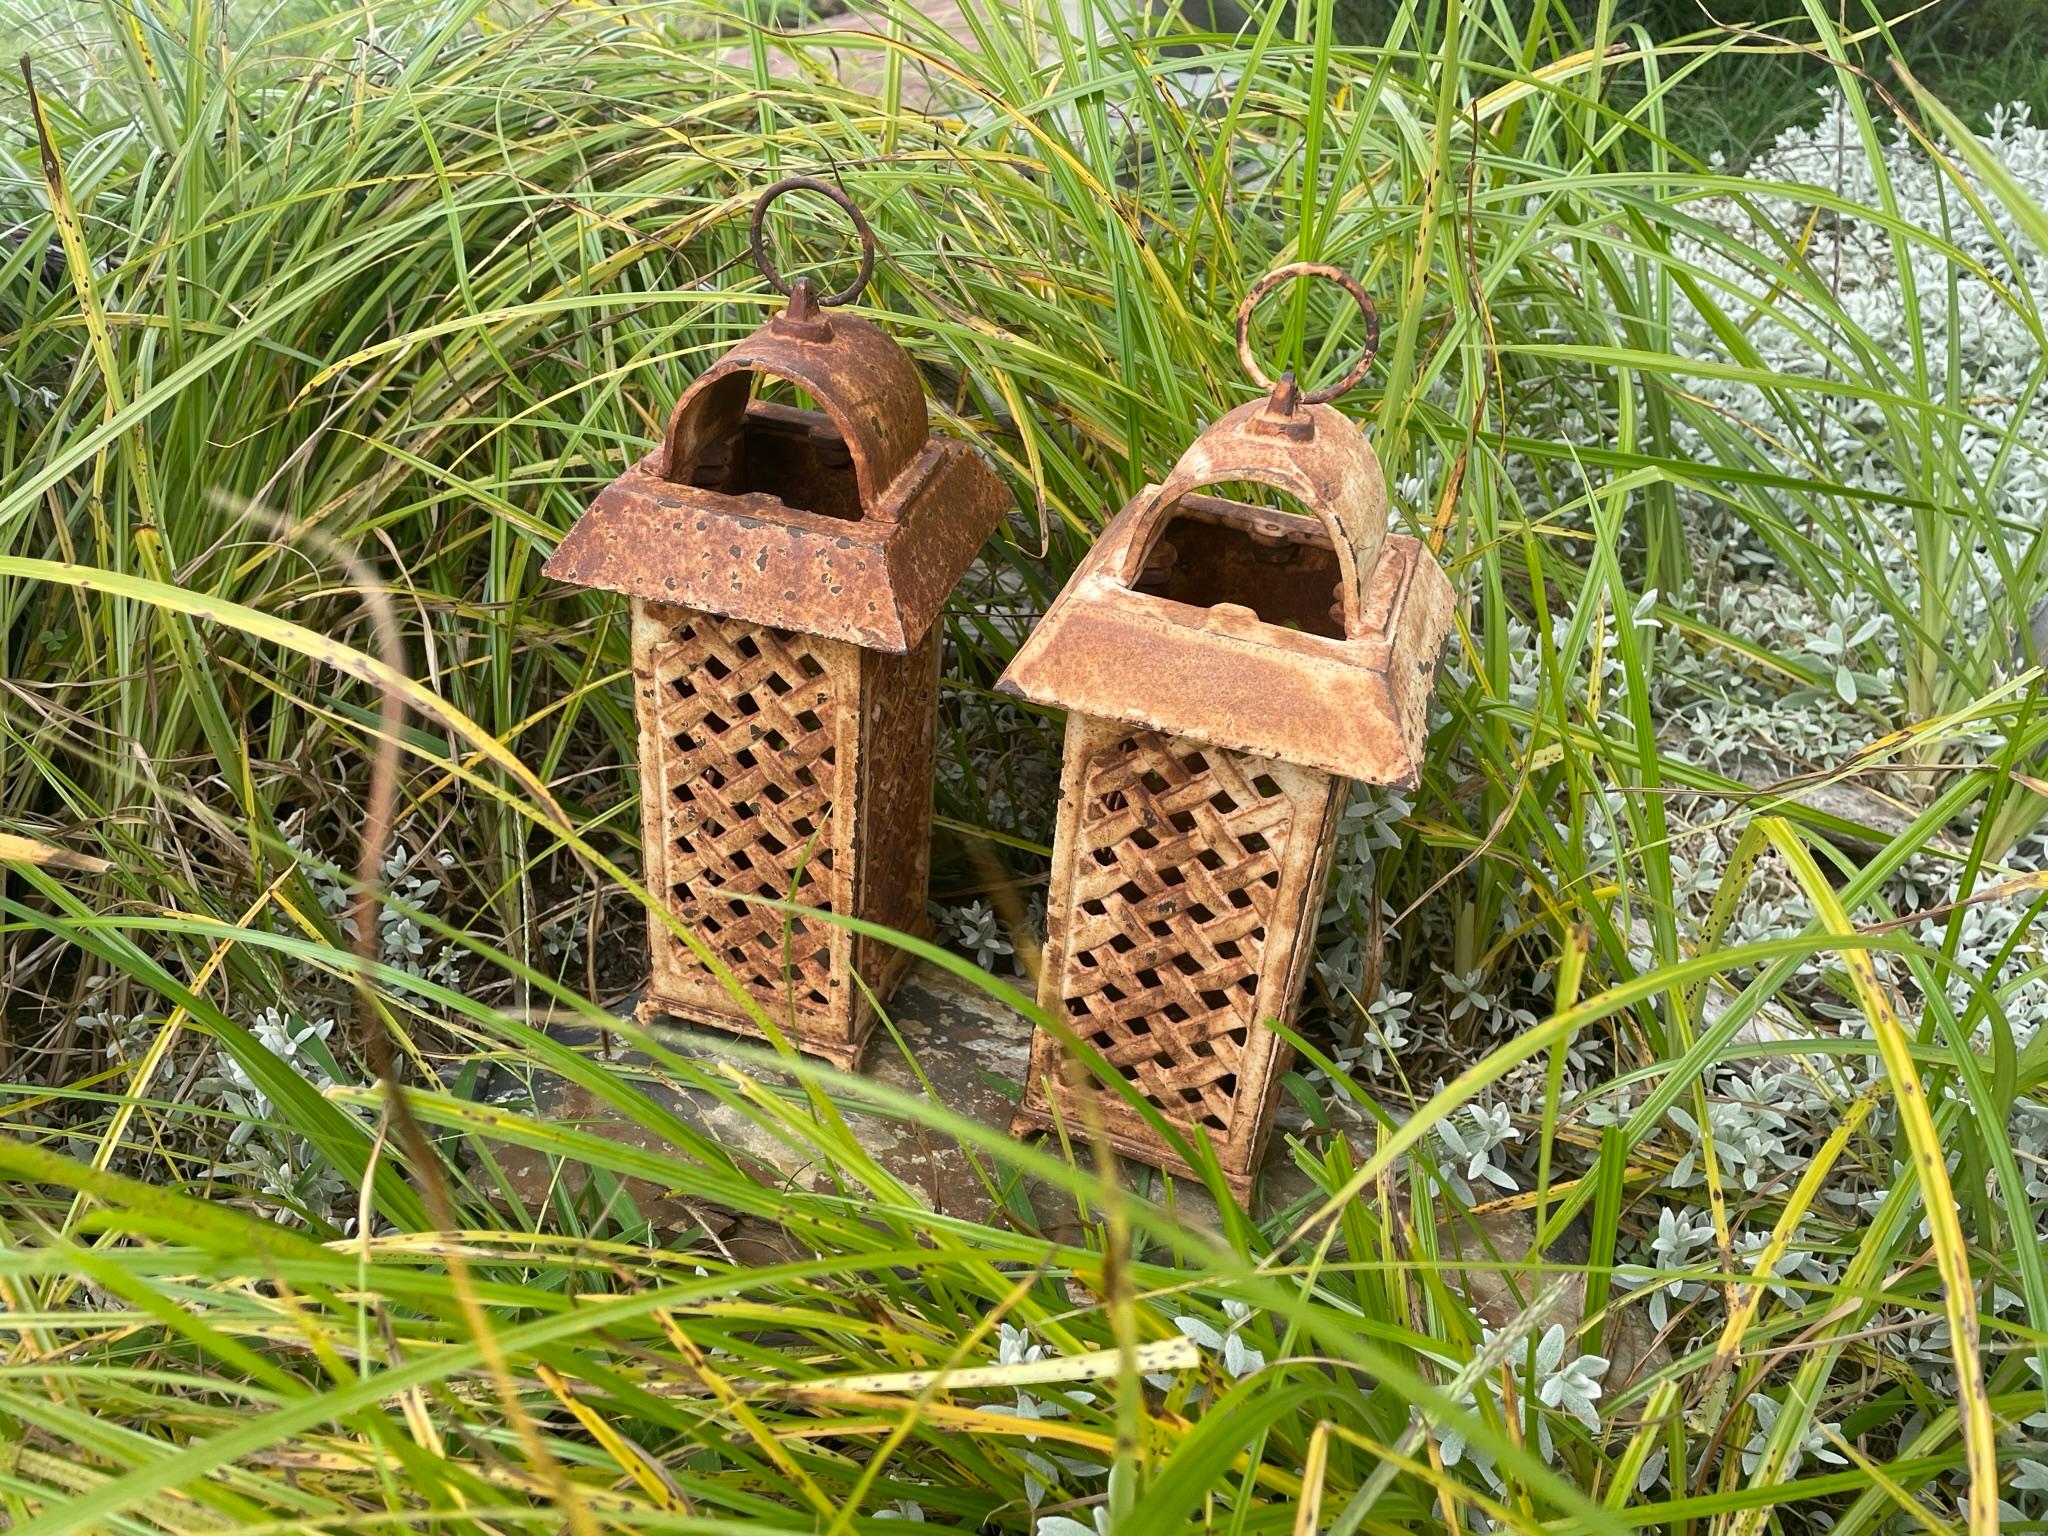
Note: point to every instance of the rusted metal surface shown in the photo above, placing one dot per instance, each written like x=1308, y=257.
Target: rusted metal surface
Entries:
x=1355, y=374
x=1310, y=639
x=1226, y=668
x=1186, y=883
x=787, y=568
x=792, y=767
x=1212, y=668
x=764, y=259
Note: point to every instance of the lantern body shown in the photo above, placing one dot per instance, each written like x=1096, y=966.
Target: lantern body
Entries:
x=1227, y=670
x=1185, y=892
x=787, y=568
x=794, y=768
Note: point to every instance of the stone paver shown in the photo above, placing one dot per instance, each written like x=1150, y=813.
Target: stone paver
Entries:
x=974, y=1053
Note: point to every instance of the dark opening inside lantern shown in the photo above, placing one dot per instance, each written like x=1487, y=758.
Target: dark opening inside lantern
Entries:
x=787, y=567
x=1226, y=668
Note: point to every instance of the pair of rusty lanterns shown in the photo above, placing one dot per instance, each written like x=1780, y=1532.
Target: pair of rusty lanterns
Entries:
x=1225, y=669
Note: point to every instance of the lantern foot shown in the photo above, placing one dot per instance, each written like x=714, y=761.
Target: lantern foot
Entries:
x=1027, y=1122
x=844, y=1054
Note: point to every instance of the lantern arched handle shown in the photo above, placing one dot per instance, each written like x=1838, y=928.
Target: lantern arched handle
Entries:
x=862, y=382
x=757, y=240
x=1330, y=469
x=1355, y=374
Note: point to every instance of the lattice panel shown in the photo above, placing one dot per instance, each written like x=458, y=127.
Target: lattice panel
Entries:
x=748, y=720
x=1177, y=864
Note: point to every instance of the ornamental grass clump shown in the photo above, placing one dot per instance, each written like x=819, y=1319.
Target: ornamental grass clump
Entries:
x=1913, y=529
x=1668, y=1150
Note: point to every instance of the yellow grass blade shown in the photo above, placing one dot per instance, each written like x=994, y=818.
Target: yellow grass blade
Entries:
x=1937, y=1195
x=1175, y=1354
x=294, y=637
x=23, y=850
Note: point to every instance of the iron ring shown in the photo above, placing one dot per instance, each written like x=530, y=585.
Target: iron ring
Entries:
x=1342, y=279
x=759, y=245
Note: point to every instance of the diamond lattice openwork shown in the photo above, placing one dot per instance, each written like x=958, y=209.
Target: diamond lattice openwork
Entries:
x=1178, y=864
x=748, y=720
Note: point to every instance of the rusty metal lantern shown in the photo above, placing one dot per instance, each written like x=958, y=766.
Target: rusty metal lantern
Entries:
x=787, y=567
x=1226, y=669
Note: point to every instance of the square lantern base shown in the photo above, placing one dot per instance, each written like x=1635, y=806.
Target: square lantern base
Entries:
x=781, y=767
x=1186, y=885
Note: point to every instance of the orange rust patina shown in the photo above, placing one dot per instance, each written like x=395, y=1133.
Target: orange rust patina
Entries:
x=1226, y=669
x=787, y=568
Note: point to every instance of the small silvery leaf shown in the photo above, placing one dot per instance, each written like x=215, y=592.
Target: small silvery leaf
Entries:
x=1014, y=1346
x=1066, y=1525
x=2032, y=1477
x=1576, y=1389
x=1239, y=1358
x=1652, y=1470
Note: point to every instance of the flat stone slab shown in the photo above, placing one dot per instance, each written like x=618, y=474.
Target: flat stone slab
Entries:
x=972, y=1051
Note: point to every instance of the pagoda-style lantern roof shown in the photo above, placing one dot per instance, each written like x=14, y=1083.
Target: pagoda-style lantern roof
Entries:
x=857, y=530
x=1226, y=631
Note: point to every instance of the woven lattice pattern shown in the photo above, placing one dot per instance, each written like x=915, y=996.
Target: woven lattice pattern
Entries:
x=1177, y=866
x=748, y=714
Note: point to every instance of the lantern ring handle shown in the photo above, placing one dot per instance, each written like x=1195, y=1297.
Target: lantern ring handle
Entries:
x=1328, y=273
x=758, y=244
